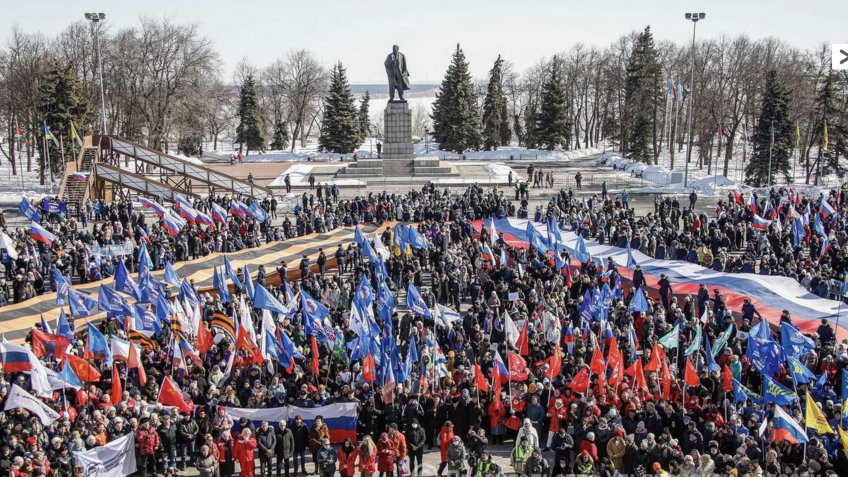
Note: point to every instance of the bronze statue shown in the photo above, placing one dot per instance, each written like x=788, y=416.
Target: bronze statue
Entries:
x=398, y=75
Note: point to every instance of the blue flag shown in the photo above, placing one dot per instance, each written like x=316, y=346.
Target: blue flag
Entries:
x=231, y=274
x=163, y=310
x=62, y=286
x=146, y=321
x=81, y=303
x=767, y=357
x=580, y=251
x=257, y=212
x=799, y=372
x=63, y=327
x=741, y=392
x=364, y=293
x=416, y=240
x=534, y=238
x=777, y=393
x=793, y=341
x=314, y=313
x=109, y=301
x=171, y=276
x=385, y=303
x=220, y=285
x=30, y=211
x=711, y=362
x=415, y=303
x=638, y=303
x=97, y=345
x=248, y=283
x=631, y=262
x=359, y=236
x=67, y=375
x=290, y=353
x=124, y=282
x=264, y=300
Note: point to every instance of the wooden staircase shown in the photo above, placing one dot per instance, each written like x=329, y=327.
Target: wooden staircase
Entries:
x=75, y=192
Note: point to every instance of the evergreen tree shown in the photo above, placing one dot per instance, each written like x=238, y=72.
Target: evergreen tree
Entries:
x=519, y=129
x=773, y=112
x=456, y=118
x=496, y=130
x=827, y=111
x=364, y=118
x=61, y=101
x=281, y=135
x=641, y=99
x=249, y=130
x=340, y=129
x=552, y=127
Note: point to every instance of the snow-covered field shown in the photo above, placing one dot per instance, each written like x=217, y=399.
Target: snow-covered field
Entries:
x=24, y=183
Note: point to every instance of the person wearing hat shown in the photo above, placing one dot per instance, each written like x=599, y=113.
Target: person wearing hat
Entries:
x=616, y=448
x=536, y=464
x=527, y=430
x=658, y=470
x=148, y=444
x=456, y=457
x=520, y=454
x=588, y=445
x=416, y=438
x=585, y=465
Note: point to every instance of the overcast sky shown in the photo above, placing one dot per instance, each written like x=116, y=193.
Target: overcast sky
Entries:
x=360, y=33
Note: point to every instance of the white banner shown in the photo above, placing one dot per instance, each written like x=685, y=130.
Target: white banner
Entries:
x=20, y=398
x=115, y=459
x=117, y=250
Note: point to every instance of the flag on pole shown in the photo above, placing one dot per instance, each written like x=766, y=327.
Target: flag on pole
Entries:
x=75, y=136
x=814, y=417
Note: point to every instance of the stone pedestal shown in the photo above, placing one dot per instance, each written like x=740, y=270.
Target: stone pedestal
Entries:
x=397, y=143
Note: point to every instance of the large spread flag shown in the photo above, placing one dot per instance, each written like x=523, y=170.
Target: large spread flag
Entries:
x=416, y=303
x=787, y=429
x=171, y=395
x=814, y=417
x=18, y=398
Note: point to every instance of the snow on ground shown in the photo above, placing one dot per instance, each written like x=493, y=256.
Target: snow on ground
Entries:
x=299, y=176
x=24, y=183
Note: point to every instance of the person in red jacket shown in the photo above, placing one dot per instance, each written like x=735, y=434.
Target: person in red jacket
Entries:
x=226, y=458
x=367, y=457
x=244, y=452
x=445, y=441
x=497, y=416
x=558, y=414
x=347, y=454
x=147, y=440
x=588, y=445
x=386, y=455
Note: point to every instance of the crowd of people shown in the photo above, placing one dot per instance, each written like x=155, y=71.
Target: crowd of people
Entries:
x=608, y=392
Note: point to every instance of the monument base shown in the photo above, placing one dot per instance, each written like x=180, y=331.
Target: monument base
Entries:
x=397, y=159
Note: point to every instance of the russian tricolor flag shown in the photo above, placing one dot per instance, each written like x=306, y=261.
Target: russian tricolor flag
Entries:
x=787, y=429
x=826, y=209
x=78, y=176
x=340, y=418
x=488, y=255
x=172, y=224
x=761, y=223
x=752, y=203
x=219, y=213
x=15, y=358
x=37, y=233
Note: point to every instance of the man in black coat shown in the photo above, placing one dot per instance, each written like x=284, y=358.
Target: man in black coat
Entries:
x=301, y=441
x=415, y=440
x=284, y=448
x=266, y=441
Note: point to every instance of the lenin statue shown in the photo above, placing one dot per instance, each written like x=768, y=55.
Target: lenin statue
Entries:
x=398, y=75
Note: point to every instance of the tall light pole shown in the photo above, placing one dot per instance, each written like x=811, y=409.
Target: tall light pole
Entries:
x=95, y=19
x=694, y=17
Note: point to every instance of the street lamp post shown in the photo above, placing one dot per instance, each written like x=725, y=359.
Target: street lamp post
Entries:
x=95, y=19
x=694, y=17
x=427, y=140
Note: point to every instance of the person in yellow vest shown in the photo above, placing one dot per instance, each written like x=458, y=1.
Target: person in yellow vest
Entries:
x=658, y=470
x=520, y=454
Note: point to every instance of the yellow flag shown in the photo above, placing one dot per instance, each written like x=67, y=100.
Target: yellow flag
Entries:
x=74, y=134
x=843, y=436
x=815, y=418
x=824, y=146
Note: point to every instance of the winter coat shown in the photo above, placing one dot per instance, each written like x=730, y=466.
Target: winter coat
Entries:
x=367, y=463
x=168, y=436
x=445, y=440
x=187, y=430
x=207, y=465
x=456, y=457
x=285, y=444
x=347, y=461
x=316, y=435
x=386, y=454
x=616, y=449
x=267, y=442
x=148, y=441
x=301, y=437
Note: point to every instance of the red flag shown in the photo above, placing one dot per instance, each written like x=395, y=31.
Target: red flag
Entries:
x=665, y=379
x=635, y=371
x=690, y=377
x=517, y=366
x=657, y=355
x=368, y=369
x=245, y=342
x=598, y=365
x=521, y=343
x=84, y=371
x=738, y=198
x=580, y=383
x=554, y=363
x=171, y=395
x=496, y=385
x=614, y=355
x=727, y=379
x=480, y=380
x=117, y=394
x=315, y=367
x=617, y=373
x=134, y=362
x=44, y=344
x=204, y=339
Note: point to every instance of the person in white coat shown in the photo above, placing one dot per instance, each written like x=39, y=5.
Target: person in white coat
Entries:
x=527, y=430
